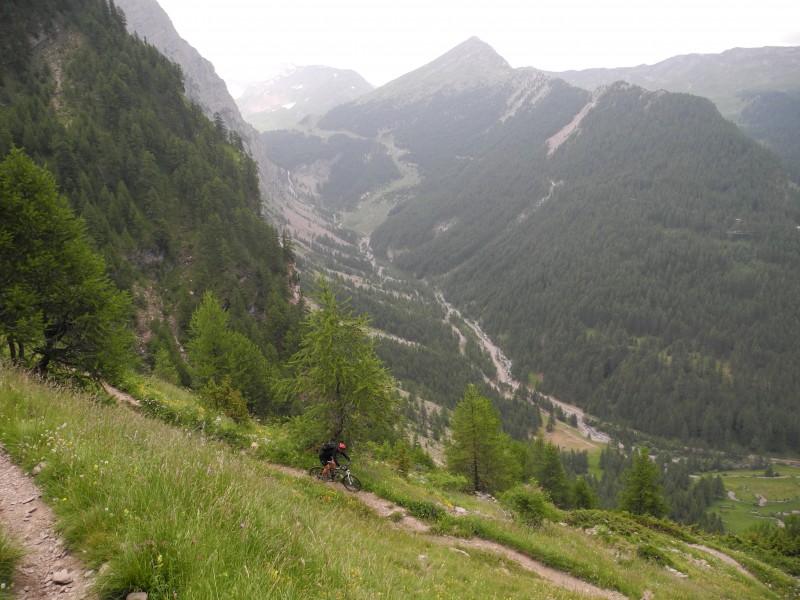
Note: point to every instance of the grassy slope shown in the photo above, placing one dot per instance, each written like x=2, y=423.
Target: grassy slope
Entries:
x=171, y=511
x=782, y=495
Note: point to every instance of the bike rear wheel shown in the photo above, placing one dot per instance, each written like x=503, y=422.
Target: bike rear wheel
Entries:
x=315, y=472
x=351, y=482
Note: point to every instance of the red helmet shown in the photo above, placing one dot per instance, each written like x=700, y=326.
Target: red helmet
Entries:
x=342, y=447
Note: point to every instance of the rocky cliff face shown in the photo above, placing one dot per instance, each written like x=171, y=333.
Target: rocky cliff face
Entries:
x=150, y=22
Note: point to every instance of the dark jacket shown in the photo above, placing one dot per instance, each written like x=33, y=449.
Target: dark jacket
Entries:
x=330, y=452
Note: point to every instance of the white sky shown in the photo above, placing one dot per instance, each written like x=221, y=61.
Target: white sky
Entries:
x=249, y=40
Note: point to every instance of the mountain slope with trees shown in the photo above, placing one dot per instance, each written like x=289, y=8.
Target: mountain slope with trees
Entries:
x=170, y=199
x=631, y=251
x=756, y=88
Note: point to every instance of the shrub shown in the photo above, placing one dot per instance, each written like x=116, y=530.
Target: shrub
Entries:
x=224, y=397
x=425, y=510
x=422, y=459
x=530, y=504
x=652, y=554
x=451, y=482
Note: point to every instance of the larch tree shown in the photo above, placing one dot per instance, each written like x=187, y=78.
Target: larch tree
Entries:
x=343, y=387
x=550, y=474
x=641, y=491
x=478, y=444
x=217, y=353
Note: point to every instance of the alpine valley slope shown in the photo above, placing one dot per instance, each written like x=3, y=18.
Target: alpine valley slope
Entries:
x=756, y=88
x=633, y=252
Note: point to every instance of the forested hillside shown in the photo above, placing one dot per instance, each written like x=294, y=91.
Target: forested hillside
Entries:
x=652, y=283
x=170, y=199
x=756, y=88
x=632, y=252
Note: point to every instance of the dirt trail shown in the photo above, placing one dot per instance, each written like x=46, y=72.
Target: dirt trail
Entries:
x=48, y=570
x=724, y=558
x=385, y=508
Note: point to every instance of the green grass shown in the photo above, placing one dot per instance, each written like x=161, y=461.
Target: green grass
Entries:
x=173, y=511
x=782, y=495
x=10, y=555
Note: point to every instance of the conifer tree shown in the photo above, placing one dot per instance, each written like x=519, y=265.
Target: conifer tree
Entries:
x=342, y=384
x=583, y=496
x=165, y=368
x=550, y=474
x=641, y=491
x=217, y=352
x=478, y=443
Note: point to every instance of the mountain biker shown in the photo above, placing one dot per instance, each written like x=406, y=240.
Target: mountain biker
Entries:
x=328, y=456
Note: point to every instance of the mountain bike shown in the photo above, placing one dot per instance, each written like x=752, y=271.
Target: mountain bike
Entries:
x=343, y=474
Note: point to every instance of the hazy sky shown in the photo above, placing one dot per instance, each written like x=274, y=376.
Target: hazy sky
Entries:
x=249, y=40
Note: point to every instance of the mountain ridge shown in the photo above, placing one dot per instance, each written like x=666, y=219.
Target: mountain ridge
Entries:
x=471, y=63
x=756, y=88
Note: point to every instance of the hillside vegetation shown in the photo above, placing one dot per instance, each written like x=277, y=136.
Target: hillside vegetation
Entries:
x=125, y=211
x=171, y=511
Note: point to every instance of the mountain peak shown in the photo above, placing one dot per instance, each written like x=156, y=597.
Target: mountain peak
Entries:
x=470, y=64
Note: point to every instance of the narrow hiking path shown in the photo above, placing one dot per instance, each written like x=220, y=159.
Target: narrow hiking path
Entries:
x=724, y=558
x=48, y=570
x=386, y=509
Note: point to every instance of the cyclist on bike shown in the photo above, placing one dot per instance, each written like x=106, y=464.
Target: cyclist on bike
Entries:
x=329, y=454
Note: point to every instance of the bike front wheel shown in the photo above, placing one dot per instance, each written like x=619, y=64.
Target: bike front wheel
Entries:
x=315, y=472
x=351, y=482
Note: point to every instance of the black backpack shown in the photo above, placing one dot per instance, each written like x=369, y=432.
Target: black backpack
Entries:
x=329, y=446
